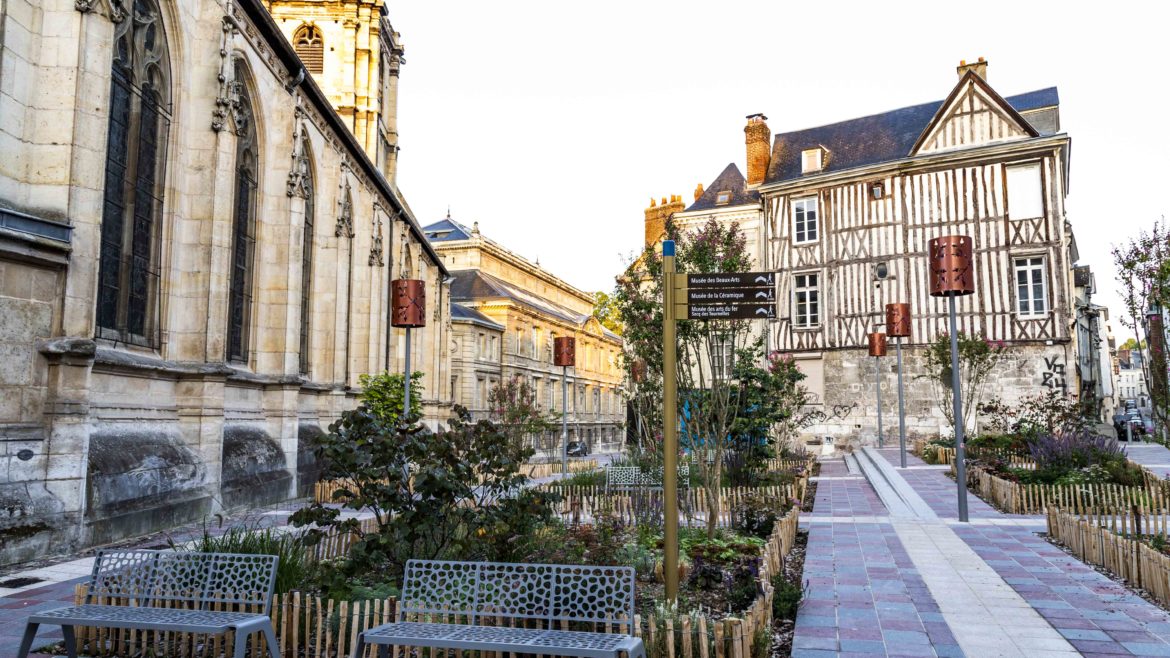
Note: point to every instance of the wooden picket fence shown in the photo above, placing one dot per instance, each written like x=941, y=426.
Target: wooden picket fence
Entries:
x=583, y=503
x=1114, y=541
x=313, y=627
x=323, y=490
x=1018, y=498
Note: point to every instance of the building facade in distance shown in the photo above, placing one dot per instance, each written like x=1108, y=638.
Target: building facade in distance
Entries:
x=195, y=266
x=506, y=312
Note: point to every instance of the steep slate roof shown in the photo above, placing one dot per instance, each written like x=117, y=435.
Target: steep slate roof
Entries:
x=476, y=285
x=873, y=139
x=446, y=230
x=731, y=180
x=461, y=313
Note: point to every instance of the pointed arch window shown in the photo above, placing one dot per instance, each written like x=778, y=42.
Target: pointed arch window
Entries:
x=140, y=117
x=243, y=220
x=308, y=191
x=310, y=47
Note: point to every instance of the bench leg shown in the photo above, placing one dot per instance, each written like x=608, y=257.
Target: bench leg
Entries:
x=30, y=632
x=70, y=641
x=270, y=641
x=360, y=647
x=383, y=651
x=241, y=643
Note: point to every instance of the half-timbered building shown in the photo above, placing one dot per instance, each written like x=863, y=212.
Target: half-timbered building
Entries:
x=849, y=209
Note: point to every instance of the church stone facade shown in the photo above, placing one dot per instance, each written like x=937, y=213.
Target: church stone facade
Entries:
x=195, y=261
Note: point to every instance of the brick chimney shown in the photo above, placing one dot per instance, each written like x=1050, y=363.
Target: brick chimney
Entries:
x=658, y=213
x=757, y=137
x=980, y=68
x=698, y=191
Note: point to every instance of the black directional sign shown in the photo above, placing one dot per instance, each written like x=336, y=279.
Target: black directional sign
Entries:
x=727, y=296
x=731, y=280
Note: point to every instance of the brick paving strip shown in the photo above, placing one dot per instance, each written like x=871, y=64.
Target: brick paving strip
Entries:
x=1095, y=615
x=864, y=595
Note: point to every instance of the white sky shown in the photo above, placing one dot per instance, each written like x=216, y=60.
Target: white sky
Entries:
x=553, y=123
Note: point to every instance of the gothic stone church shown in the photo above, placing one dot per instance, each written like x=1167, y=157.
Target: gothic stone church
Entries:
x=196, y=244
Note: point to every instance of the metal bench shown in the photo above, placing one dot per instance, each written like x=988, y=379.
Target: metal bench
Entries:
x=622, y=478
x=188, y=583
x=547, y=595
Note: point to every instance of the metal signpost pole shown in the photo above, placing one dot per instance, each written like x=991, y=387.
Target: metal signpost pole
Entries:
x=408, y=304
x=877, y=380
x=406, y=386
x=901, y=409
x=670, y=425
x=960, y=449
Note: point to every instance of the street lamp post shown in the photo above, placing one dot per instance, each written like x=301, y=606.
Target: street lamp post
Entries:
x=898, y=326
x=565, y=355
x=408, y=310
x=952, y=275
x=877, y=349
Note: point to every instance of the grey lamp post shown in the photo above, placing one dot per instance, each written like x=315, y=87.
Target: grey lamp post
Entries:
x=898, y=326
x=877, y=349
x=408, y=309
x=952, y=275
x=565, y=355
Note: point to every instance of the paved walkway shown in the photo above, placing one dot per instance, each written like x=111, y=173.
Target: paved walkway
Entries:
x=1153, y=456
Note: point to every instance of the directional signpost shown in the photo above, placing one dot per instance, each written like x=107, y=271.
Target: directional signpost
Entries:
x=718, y=296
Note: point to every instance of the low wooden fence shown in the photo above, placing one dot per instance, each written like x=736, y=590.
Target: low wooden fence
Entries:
x=1018, y=498
x=1114, y=541
x=313, y=627
x=583, y=503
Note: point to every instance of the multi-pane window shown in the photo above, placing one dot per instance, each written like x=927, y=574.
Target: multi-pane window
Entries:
x=310, y=47
x=307, y=191
x=140, y=115
x=806, y=300
x=722, y=358
x=804, y=220
x=1031, y=297
x=1024, y=192
x=243, y=222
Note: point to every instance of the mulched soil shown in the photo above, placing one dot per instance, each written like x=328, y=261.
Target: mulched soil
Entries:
x=783, y=629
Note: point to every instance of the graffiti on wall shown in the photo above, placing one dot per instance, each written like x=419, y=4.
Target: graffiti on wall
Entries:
x=1053, y=375
x=819, y=416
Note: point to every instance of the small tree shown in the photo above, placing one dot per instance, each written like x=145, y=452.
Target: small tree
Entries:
x=512, y=405
x=458, y=494
x=382, y=395
x=1143, y=270
x=977, y=358
x=605, y=309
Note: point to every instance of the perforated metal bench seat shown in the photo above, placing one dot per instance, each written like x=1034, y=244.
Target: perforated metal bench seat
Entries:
x=154, y=619
x=493, y=638
x=548, y=595
x=170, y=591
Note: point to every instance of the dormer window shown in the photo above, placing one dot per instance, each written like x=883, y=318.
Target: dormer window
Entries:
x=723, y=198
x=813, y=160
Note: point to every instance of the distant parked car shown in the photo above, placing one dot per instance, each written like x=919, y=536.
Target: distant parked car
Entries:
x=578, y=449
x=1121, y=420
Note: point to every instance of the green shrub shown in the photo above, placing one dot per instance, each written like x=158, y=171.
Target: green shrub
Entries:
x=585, y=479
x=786, y=596
x=295, y=564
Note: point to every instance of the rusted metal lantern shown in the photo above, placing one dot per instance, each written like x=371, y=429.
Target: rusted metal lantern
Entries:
x=565, y=355
x=898, y=320
x=877, y=349
x=565, y=351
x=408, y=310
x=408, y=303
x=898, y=326
x=952, y=275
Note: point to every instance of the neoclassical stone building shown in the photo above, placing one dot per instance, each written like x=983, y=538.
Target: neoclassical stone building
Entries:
x=195, y=259
x=506, y=312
